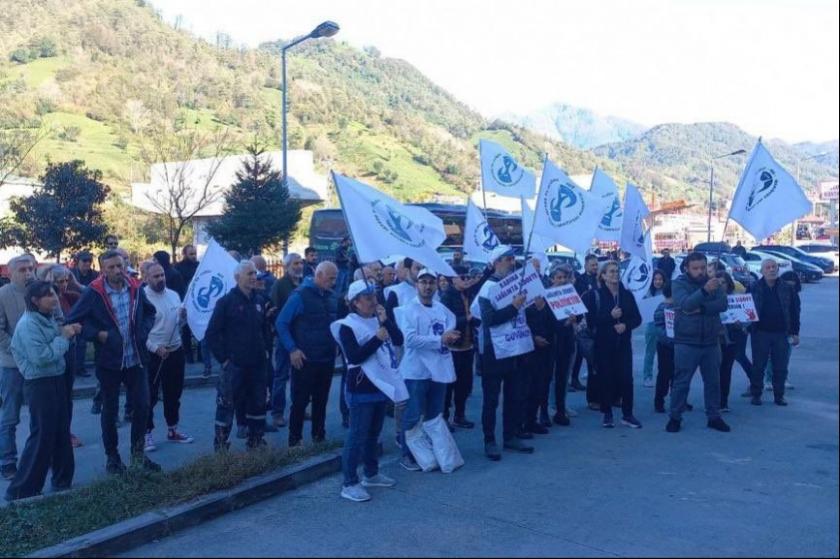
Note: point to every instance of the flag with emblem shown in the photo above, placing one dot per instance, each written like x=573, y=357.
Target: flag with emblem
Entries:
x=502, y=174
x=565, y=213
x=479, y=238
x=382, y=227
x=213, y=278
x=767, y=197
x=609, y=228
x=638, y=277
x=632, y=238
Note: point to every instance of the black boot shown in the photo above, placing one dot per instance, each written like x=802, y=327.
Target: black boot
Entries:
x=220, y=441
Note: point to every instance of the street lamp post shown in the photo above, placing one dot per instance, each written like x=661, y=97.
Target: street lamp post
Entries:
x=326, y=29
x=712, y=188
x=799, y=163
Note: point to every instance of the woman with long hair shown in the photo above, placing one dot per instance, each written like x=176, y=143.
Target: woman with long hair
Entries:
x=656, y=286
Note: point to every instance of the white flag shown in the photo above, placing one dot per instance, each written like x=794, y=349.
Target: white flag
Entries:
x=565, y=213
x=502, y=174
x=767, y=197
x=609, y=228
x=637, y=278
x=213, y=279
x=479, y=238
x=382, y=227
x=632, y=238
x=539, y=244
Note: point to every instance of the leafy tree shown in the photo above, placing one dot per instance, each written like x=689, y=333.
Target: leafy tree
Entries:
x=20, y=56
x=64, y=214
x=258, y=210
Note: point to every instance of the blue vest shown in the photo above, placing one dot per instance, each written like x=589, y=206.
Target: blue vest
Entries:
x=311, y=329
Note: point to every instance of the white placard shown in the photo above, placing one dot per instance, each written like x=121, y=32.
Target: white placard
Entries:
x=503, y=293
x=741, y=309
x=565, y=301
x=670, y=315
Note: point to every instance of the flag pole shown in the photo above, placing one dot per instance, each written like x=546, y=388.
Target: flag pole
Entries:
x=533, y=223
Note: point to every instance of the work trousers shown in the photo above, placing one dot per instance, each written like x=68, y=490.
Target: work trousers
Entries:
x=774, y=346
x=564, y=352
x=136, y=381
x=500, y=375
x=539, y=366
x=687, y=358
x=311, y=383
x=241, y=386
x=166, y=375
x=463, y=385
x=665, y=374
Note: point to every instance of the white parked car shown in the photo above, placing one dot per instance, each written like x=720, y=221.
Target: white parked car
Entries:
x=823, y=250
x=753, y=259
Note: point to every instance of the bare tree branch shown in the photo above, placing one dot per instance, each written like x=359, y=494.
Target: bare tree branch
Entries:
x=15, y=146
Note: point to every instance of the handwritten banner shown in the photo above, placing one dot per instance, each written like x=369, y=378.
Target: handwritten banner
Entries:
x=670, y=315
x=564, y=301
x=504, y=292
x=741, y=309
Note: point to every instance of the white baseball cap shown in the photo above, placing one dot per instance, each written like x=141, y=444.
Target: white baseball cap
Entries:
x=426, y=272
x=500, y=252
x=359, y=287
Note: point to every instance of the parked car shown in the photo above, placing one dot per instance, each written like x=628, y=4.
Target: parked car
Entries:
x=753, y=259
x=805, y=270
x=566, y=258
x=824, y=264
x=737, y=268
x=823, y=250
x=713, y=248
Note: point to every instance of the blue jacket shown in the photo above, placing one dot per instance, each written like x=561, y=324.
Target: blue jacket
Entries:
x=94, y=312
x=38, y=346
x=697, y=313
x=304, y=322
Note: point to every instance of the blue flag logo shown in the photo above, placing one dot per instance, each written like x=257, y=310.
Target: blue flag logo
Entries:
x=563, y=203
x=398, y=225
x=764, y=183
x=612, y=214
x=206, y=289
x=506, y=171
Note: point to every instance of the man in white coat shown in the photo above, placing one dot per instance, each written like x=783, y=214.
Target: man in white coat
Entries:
x=428, y=329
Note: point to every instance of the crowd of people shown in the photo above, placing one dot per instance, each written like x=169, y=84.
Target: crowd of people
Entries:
x=410, y=341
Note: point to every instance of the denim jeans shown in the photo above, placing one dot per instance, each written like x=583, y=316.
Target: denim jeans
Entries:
x=767, y=346
x=279, y=381
x=650, y=350
x=362, y=440
x=11, y=398
x=425, y=399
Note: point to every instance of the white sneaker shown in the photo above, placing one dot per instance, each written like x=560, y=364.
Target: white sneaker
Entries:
x=789, y=386
x=150, y=443
x=355, y=493
x=378, y=480
x=648, y=383
x=571, y=413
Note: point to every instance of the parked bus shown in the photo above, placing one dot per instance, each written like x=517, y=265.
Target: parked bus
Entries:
x=328, y=228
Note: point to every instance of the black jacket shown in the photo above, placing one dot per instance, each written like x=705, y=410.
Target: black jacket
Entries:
x=585, y=282
x=237, y=329
x=187, y=270
x=667, y=265
x=788, y=297
x=541, y=322
x=93, y=310
x=600, y=317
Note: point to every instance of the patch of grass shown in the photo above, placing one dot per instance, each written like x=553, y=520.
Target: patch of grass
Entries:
x=40, y=70
x=44, y=522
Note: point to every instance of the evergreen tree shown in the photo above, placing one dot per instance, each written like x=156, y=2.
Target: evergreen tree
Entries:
x=64, y=214
x=258, y=211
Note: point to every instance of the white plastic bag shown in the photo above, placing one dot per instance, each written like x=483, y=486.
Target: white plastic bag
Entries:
x=420, y=446
x=443, y=444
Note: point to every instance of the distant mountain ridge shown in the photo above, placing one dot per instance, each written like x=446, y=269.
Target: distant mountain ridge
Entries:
x=578, y=126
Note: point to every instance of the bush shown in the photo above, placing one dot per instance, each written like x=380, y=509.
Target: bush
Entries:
x=44, y=48
x=44, y=106
x=20, y=56
x=70, y=133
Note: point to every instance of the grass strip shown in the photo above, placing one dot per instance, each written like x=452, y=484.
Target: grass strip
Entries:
x=35, y=524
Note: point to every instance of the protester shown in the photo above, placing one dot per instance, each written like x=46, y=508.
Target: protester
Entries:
x=174, y=280
x=539, y=365
x=457, y=258
x=499, y=373
x=236, y=336
x=83, y=271
x=585, y=283
x=698, y=302
x=564, y=349
x=343, y=256
x=310, y=255
x=264, y=275
x=303, y=327
x=12, y=306
x=778, y=307
x=739, y=250
x=667, y=265
x=389, y=276
x=443, y=285
x=664, y=351
x=612, y=316
x=427, y=368
x=792, y=279
x=112, y=242
x=365, y=333
x=657, y=284
x=403, y=292
x=117, y=316
x=293, y=270
x=187, y=268
x=458, y=300
x=38, y=347
x=167, y=361
x=728, y=349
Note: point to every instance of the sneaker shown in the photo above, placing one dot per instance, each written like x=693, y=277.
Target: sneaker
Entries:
x=409, y=464
x=241, y=431
x=491, y=450
x=143, y=462
x=718, y=424
x=355, y=493
x=75, y=441
x=149, y=445
x=608, y=422
x=538, y=429
x=518, y=446
x=8, y=471
x=673, y=426
x=780, y=402
x=768, y=386
x=96, y=408
x=463, y=423
x=561, y=420
x=631, y=422
x=114, y=465
x=175, y=436
x=756, y=400
x=378, y=480
x=648, y=383
x=571, y=413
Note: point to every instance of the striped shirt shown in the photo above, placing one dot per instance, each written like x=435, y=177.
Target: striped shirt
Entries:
x=121, y=303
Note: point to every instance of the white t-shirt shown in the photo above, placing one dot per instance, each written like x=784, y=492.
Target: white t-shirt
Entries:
x=168, y=322
x=425, y=355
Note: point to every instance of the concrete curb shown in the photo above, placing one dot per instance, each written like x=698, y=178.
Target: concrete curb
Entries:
x=140, y=530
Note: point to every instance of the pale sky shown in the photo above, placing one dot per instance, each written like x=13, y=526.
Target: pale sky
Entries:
x=769, y=66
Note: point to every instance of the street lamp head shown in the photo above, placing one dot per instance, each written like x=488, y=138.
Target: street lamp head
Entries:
x=326, y=29
x=739, y=152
